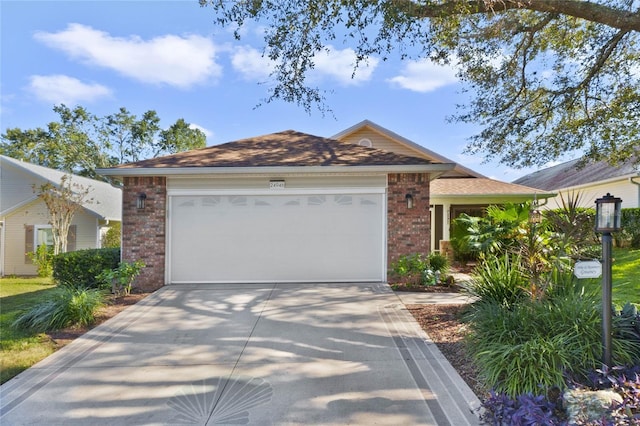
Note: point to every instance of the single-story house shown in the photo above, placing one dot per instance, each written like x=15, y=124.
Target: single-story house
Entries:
x=24, y=218
x=287, y=206
x=589, y=182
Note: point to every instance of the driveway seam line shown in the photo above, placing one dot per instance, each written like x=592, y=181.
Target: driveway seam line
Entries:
x=235, y=365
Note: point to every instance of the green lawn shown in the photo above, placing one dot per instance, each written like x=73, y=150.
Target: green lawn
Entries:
x=626, y=276
x=18, y=349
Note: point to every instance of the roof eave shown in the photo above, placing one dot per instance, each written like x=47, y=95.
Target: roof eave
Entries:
x=539, y=195
x=435, y=169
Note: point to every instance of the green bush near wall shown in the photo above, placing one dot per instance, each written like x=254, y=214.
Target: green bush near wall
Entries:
x=631, y=226
x=80, y=268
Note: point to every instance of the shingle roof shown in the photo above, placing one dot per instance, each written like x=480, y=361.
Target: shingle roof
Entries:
x=567, y=175
x=107, y=202
x=288, y=148
x=478, y=186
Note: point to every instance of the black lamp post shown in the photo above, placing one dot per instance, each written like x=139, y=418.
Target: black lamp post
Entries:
x=607, y=221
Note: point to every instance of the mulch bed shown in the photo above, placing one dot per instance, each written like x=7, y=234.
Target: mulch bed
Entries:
x=427, y=288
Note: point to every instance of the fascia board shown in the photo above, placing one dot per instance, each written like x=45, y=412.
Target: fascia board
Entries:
x=176, y=171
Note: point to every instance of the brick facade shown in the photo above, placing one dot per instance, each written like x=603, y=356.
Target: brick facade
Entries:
x=144, y=230
x=408, y=230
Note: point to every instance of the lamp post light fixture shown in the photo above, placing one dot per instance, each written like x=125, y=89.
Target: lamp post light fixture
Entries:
x=535, y=215
x=141, y=201
x=409, y=199
x=608, y=218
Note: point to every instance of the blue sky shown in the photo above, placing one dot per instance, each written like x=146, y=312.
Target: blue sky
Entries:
x=170, y=57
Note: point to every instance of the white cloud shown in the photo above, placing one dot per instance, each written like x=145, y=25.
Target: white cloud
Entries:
x=331, y=63
x=251, y=64
x=208, y=133
x=57, y=89
x=180, y=61
x=339, y=65
x=424, y=76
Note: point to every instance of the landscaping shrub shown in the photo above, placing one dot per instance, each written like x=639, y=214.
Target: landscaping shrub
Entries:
x=631, y=226
x=119, y=280
x=413, y=269
x=111, y=238
x=438, y=262
x=418, y=269
x=499, y=280
x=494, y=233
x=69, y=306
x=529, y=346
x=43, y=259
x=80, y=268
x=573, y=228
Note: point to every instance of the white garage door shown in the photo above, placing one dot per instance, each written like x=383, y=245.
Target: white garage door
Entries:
x=271, y=238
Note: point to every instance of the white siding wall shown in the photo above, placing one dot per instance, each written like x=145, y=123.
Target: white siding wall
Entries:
x=36, y=213
x=628, y=192
x=262, y=182
x=381, y=142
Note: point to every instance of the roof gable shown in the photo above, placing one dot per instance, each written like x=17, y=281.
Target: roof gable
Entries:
x=567, y=175
x=283, y=149
x=400, y=144
x=107, y=200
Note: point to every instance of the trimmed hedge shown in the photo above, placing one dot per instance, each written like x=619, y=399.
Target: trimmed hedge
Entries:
x=80, y=268
x=631, y=226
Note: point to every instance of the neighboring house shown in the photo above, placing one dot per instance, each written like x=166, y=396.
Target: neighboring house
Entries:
x=24, y=218
x=590, y=182
x=286, y=207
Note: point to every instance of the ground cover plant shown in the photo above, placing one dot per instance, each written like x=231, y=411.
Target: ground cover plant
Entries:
x=417, y=269
x=65, y=306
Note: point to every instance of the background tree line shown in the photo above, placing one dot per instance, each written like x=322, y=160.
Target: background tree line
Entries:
x=79, y=142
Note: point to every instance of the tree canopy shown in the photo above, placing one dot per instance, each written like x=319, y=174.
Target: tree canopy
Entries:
x=80, y=142
x=545, y=77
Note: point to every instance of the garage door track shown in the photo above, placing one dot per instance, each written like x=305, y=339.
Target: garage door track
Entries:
x=247, y=354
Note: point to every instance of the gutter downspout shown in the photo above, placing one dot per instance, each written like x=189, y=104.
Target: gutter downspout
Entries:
x=631, y=179
x=2, y=248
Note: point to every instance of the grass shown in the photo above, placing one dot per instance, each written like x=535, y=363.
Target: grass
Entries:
x=21, y=349
x=625, y=277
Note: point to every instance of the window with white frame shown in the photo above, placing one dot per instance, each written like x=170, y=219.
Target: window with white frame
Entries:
x=42, y=234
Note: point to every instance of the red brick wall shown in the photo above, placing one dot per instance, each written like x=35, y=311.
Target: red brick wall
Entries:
x=143, y=231
x=408, y=230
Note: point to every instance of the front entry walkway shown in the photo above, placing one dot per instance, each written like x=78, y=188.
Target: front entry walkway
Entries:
x=248, y=354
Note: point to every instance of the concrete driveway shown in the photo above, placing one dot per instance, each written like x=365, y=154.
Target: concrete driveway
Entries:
x=247, y=354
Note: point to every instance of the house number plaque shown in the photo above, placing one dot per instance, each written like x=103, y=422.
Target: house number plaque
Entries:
x=276, y=184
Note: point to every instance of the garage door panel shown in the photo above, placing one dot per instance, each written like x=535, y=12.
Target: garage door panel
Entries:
x=229, y=238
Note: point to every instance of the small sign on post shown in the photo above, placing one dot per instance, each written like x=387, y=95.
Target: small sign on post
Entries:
x=588, y=269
